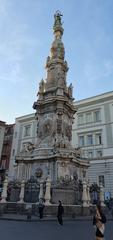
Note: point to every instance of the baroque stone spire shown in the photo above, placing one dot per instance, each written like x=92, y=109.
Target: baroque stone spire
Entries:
x=52, y=153
x=57, y=50
x=56, y=65
x=54, y=107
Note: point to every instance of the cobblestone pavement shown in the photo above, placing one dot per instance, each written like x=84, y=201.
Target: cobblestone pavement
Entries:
x=51, y=230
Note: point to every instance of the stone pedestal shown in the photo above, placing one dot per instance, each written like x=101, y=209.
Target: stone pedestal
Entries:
x=47, y=193
x=101, y=196
x=41, y=194
x=4, y=192
x=84, y=195
x=21, y=197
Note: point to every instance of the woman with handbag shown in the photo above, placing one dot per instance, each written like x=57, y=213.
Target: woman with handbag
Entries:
x=99, y=221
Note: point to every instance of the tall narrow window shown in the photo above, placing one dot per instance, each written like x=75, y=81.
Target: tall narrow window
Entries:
x=101, y=180
x=88, y=117
x=81, y=141
x=99, y=153
x=90, y=154
x=15, y=134
x=98, y=138
x=27, y=129
x=97, y=116
x=80, y=118
x=89, y=139
x=13, y=152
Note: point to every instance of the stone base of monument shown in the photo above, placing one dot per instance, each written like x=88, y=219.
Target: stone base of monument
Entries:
x=67, y=196
x=71, y=211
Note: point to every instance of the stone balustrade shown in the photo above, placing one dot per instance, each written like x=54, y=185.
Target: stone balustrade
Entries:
x=4, y=192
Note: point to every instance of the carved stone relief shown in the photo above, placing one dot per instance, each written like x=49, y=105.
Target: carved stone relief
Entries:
x=59, y=126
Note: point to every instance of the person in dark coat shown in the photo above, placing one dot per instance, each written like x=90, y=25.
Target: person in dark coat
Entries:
x=41, y=208
x=60, y=213
x=99, y=221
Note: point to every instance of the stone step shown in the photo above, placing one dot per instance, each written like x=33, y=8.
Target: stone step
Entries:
x=11, y=212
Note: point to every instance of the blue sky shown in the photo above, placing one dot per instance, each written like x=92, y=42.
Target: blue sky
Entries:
x=25, y=41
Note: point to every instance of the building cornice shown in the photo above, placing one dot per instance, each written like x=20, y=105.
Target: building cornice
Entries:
x=94, y=100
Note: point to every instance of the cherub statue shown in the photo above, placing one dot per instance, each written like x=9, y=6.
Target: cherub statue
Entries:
x=70, y=90
x=41, y=86
x=47, y=61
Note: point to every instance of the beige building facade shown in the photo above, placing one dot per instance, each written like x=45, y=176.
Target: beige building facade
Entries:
x=24, y=132
x=93, y=134
x=2, y=132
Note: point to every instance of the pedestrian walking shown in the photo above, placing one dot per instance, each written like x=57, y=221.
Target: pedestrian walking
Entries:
x=29, y=211
x=41, y=208
x=112, y=212
x=99, y=221
x=60, y=213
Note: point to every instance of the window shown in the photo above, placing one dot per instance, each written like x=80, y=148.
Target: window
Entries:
x=88, y=117
x=27, y=130
x=3, y=164
x=15, y=134
x=97, y=117
x=101, y=180
x=90, y=154
x=81, y=140
x=98, y=139
x=89, y=139
x=13, y=152
x=99, y=153
x=80, y=119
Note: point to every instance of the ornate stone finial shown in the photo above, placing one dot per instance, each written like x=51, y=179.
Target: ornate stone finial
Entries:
x=57, y=27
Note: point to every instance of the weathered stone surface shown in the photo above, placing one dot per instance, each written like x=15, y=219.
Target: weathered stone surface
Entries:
x=55, y=110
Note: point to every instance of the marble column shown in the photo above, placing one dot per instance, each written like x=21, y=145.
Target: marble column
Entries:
x=17, y=171
x=47, y=193
x=88, y=194
x=101, y=196
x=41, y=194
x=29, y=171
x=20, y=171
x=84, y=195
x=4, y=192
x=21, y=196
